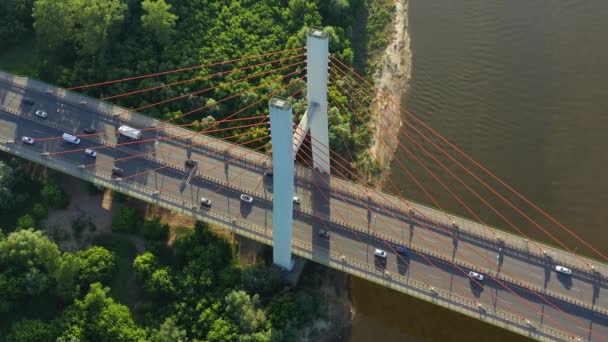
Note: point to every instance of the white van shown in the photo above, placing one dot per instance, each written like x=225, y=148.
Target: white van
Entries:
x=71, y=139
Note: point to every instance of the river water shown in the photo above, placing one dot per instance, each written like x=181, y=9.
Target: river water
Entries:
x=522, y=87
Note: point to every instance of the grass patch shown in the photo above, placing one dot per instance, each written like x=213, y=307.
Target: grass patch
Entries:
x=123, y=285
x=22, y=59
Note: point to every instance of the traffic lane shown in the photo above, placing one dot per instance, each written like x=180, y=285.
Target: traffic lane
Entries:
x=493, y=295
x=76, y=118
x=470, y=253
x=424, y=271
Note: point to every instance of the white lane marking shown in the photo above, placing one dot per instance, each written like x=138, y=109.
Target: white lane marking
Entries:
x=37, y=131
x=506, y=301
x=536, y=276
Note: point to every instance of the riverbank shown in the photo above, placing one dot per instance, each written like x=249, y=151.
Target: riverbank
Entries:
x=392, y=79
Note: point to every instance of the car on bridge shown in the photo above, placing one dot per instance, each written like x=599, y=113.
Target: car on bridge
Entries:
x=118, y=172
x=27, y=140
x=90, y=131
x=205, y=202
x=563, y=270
x=380, y=253
x=28, y=101
x=91, y=153
x=41, y=113
x=476, y=276
x=246, y=198
x=402, y=250
x=323, y=233
x=296, y=200
x=191, y=163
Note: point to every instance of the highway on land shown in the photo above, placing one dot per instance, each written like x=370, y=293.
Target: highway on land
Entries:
x=329, y=208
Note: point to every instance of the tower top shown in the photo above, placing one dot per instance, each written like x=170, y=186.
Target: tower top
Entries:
x=281, y=103
x=317, y=32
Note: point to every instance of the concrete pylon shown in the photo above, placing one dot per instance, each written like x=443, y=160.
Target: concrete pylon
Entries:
x=281, y=128
x=317, y=59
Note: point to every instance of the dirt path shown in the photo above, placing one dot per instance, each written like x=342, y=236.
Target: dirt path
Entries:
x=392, y=78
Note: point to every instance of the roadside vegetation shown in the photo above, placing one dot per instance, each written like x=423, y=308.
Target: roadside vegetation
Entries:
x=109, y=289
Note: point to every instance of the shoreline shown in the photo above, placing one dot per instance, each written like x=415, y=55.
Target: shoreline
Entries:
x=392, y=79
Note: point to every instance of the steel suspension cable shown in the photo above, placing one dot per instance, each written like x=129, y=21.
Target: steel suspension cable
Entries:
x=198, y=78
x=455, y=265
x=473, y=213
x=476, y=163
x=185, y=69
x=483, y=199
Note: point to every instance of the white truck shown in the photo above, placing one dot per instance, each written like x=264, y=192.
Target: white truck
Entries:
x=71, y=139
x=129, y=132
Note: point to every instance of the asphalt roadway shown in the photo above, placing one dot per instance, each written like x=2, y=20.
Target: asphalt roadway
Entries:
x=329, y=208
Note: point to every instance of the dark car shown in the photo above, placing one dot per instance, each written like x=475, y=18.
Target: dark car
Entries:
x=268, y=173
x=402, y=250
x=28, y=101
x=191, y=163
x=89, y=130
x=324, y=233
x=118, y=171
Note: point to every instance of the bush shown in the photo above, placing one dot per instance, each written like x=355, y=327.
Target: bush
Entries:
x=125, y=221
x=39, y=211
x=53, y=195
x=155, y=230
x=26, y=221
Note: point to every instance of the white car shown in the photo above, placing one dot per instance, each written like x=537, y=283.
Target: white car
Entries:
x=246, y=198
x=380, y=253
x=205, y=202
x=41, y=114
x=90, y=153
x=296, y=200
x=476, y=275
x=27, y=140
x=563, y=270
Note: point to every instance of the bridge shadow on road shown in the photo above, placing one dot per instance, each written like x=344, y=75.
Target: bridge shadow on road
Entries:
x=321, y=212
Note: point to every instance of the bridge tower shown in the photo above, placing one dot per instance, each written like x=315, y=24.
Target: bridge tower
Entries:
x=285, y=144
x=281, y=128
x=315, y=117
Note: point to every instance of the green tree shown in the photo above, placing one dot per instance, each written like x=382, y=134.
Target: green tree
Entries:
x=30, y=331
x=26, y=221
x=54, y=21
x=24, y=249
x=98, y=318
x=125, y=221
x=158, y=20
x=169, y=331
x=95, y=18
x=243, y=309
x=96, y=264
x=66, y=276
x=160, y=284
x=7, y=182
x=53, y=194
x=155, y=230
x=144, y=265
x=39, y=211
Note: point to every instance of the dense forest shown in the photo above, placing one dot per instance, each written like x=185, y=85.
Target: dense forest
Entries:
x=192, y=289
x=83, y=42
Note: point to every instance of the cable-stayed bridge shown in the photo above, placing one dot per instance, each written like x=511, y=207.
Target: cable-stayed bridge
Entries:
x=429, y=252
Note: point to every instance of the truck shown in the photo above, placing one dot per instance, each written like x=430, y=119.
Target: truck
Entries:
x=129, y=132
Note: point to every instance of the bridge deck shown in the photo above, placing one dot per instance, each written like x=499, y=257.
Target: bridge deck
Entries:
x=580, y=300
